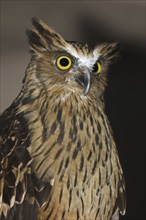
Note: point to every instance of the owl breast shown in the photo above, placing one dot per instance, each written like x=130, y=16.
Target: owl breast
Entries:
x=73, y=153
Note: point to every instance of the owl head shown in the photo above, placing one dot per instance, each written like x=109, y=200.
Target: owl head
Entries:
x=69, y=67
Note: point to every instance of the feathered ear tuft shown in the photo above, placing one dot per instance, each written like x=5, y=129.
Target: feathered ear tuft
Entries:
x=110, y=52
x=43, y=38
x=37, y=44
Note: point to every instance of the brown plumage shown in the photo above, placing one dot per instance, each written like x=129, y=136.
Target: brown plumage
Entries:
x=57, y=153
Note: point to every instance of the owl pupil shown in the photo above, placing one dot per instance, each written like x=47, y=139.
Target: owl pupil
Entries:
x=64, y=62
x=95, y=68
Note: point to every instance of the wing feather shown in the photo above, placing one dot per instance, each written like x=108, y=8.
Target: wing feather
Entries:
x=18, y=183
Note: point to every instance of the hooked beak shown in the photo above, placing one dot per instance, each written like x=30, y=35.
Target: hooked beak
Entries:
x=85, y=80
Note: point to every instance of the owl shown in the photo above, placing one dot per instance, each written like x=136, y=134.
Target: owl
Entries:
x=58, y=158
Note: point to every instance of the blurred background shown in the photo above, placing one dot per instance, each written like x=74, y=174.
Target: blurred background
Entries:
x=92, y=22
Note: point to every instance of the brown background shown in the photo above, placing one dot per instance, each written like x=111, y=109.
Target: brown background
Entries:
x=91, y=21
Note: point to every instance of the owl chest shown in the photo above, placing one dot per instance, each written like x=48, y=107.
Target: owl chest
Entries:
x=74, y=142
x=75, y=159
x=88, y=199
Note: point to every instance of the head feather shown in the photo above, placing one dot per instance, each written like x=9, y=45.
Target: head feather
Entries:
x=110, y=52
x=44, y=38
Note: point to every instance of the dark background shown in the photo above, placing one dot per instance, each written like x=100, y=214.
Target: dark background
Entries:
x=92, y=22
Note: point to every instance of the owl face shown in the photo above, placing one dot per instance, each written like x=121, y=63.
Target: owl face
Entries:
x=69, y=67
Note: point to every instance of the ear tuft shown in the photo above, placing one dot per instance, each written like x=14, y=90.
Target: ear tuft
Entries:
x=110, y=52
x=41, y=27
x=43, y=38
x=35, y=41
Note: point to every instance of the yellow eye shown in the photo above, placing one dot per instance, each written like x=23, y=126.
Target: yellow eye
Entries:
x=64, y=62
x=97, y=68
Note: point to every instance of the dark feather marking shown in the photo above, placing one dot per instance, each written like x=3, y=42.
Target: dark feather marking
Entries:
x=107, y=142
x=70, y=197
x=57, y=106
x=93, y=129
x=58, y=153
x=29, y=100
x=91, y=120
x=44, y=133
x=78, y=147
x=97, y=191
x=100, y=145
x=99, y=177
x=38, y=147
x=99, y=201
x=75, y=135
x=57, y=39
x=50, y=213
x=92, y=196
x=99, y=154
x=97, y=139
x=109, y=211
x=103, y=163
x=75, y=153
x=63, y=214
x=75, y=130
x=115, y=181
x=98, y=127
x=77, y=191
x=61, y=193
x=39, y=165
x=82, y=202
x=43, y=112
x=106, y=156
x=85, y=175
x=71, y=133
x=47, y=205
x=34, y=39
x=81, y=125
x=43, y=32
x=110, y=191
x=105, y=126
x=91, y=208
x=61, y=134
x=89, y=155
x=53, y=127
x=59, y=115
x=38, y=26
x=97, y=213
x=62, y=175
x=111, y=167
x=46, y=170
x=94, y=166
x=76, y=177
x=88, y=133
x=93, y=145
x=81, y=163
x=60, y=167
x=107, y=176
x=69, y=146
x=104, y=209
x=49, y=150
x=78, y=215
x=67, y=162
x=68, y=183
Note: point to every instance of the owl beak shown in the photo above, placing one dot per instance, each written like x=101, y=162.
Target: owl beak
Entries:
x=85, y=80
